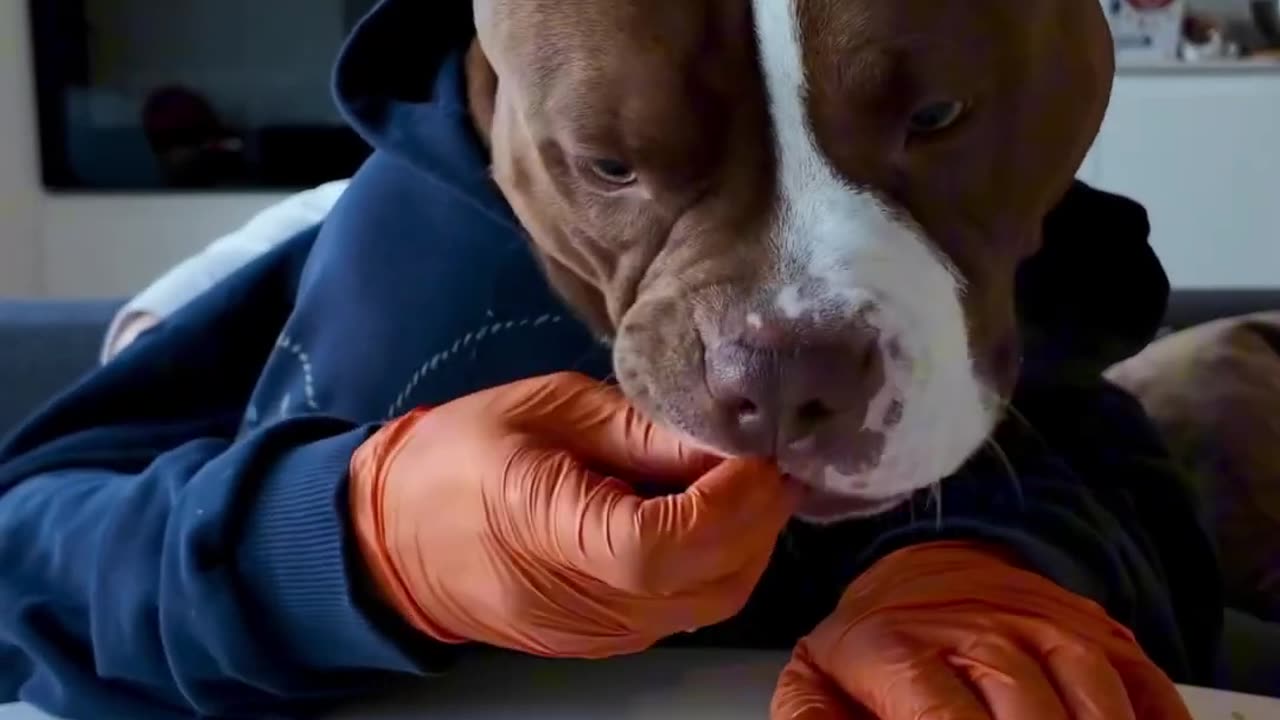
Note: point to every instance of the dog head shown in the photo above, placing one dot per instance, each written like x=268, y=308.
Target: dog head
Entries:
x=798, y=220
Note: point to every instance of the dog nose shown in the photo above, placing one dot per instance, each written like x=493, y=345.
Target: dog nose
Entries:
x=774, y=389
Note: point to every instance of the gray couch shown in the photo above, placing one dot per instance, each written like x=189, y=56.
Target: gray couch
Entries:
x=45, y=346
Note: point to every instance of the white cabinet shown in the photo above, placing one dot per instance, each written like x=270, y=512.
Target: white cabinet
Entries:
x=1200, y=148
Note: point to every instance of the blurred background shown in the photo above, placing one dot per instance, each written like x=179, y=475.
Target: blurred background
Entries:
x=133, y=132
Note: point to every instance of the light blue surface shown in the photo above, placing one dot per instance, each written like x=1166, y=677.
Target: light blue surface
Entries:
x=660, y=685
x=45, y=346
x=21, y=712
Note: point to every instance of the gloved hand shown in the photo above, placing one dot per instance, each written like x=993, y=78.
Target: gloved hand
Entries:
x=505, y=518
x=952, y=631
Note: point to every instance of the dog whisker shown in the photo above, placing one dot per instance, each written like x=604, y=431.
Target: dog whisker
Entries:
x=936, y=492
x=934, y=500
x=1025, y=423
x=1003, y=457
x=603, y=387
x=1018, y=416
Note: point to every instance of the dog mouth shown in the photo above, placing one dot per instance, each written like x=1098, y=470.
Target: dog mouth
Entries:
x=840, y=469
x=836, y=469
x=820, y=506
x=861, y=409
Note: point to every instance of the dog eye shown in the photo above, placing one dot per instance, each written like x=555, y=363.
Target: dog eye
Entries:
x=936, y=117
x=613, y=172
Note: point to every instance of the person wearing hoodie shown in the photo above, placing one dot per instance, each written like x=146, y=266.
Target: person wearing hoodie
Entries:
x=370, y=449
x=222, y=257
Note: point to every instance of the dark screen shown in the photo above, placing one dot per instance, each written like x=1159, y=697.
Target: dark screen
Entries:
x=191, y=94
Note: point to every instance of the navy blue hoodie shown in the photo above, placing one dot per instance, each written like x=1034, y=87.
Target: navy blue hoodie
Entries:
x=173, y=530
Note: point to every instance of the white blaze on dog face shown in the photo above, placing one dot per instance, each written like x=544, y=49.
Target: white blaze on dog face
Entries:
x=840, y=247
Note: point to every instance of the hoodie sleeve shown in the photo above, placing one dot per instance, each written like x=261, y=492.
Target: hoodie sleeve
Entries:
x=225, y=255
x=1083, y=493
x=151, y=558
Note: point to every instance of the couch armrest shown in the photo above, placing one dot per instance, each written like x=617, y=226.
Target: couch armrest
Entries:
x=1192, y=307
x=45, y=346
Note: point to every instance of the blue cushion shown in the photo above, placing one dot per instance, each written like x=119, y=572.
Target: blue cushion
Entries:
x=44, y=347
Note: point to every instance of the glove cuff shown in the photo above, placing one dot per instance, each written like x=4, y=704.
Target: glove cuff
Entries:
x=369, y=469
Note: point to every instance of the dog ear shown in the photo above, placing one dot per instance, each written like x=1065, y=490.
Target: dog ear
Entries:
x=1095, y=293
x=482, y=91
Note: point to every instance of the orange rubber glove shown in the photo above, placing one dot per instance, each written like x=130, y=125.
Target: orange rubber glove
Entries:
x=953, y=631
x=494, y=519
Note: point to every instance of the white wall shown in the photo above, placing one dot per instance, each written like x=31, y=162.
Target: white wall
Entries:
x=19, y=199
x=113, y=245
x=1201, y=150
x=1232, y=11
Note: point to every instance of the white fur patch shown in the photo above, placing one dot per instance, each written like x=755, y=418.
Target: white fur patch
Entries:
x=791, y=303
x=848, y=252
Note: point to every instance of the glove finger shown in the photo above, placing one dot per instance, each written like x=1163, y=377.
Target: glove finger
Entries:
x=805, y=693
x=595, y=422
x=676, y=544
x=896, y=679
x=1088, y=684
x=705, y=605
x=573, y=516
x=729, y=520
x=1010, y=681
x=591, y=619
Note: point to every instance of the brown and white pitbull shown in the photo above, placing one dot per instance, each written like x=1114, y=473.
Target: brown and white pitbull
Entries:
x=797, y=220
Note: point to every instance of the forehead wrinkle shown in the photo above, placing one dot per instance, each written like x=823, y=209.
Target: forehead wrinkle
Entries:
x=880, y=52
x=661, y=99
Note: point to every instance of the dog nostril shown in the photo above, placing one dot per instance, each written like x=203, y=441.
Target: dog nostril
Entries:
x=870, y=356
x=813, y=411
x=810, y=415
x=746, y=410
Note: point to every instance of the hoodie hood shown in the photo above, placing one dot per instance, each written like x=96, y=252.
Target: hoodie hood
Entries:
x=1095, y=294
x=400, y=83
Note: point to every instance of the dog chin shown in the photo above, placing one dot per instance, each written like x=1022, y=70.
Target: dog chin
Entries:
x=831, y=497
x=820, y=507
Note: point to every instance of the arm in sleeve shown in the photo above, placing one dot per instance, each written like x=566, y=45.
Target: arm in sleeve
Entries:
x=223, y=257
x=152, y=560
x=1083, y=493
